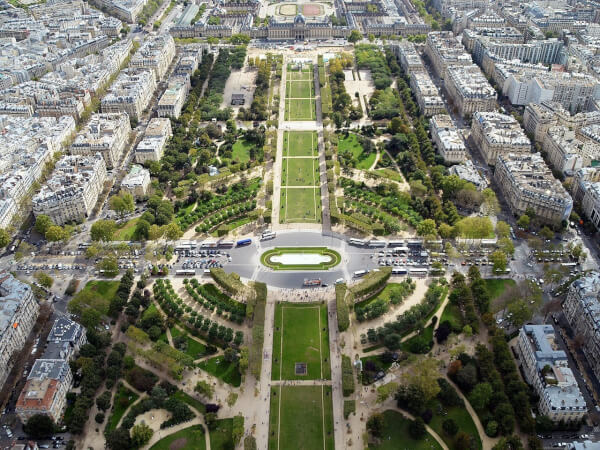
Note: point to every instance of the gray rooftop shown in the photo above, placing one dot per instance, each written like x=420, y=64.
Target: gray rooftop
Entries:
x=54, y=369
x=12, y=293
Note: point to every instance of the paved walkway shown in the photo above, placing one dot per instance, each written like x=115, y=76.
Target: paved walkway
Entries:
x=276, y=200
x=326, y=219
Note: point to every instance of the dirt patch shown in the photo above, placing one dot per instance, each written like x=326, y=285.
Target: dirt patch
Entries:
x=178, y=443
x=312, y=10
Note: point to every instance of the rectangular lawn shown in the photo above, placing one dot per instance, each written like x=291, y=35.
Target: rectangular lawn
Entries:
x=218, y=367
x=299, y=89
x=301, y=205
x=191, y=437
x=300, y=143
x=300, y=109
x=301, y=336
x=301, y=418
x=300, y=172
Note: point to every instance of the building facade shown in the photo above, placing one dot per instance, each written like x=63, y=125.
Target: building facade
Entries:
x=448, y=142
x=469, y=90
x=494, y=134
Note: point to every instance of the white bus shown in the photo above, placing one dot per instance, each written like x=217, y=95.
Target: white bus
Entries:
x=268, y=235
x=208, y=245
x=375, y=243
x=396, y=244
x=360, y=273
x=358, y=242
x=399, y=270
x=418, y=271
x=226, y=244
x=183, y=272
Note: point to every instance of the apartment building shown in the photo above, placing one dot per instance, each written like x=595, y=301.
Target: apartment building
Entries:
x=545, y=51
x=526, y=182
x=444, y=50
x=8, y=208
x=538, y=118
x=590, y=204
x=173, y=99
x=407, y=55
x=580, y=180
x=126, y=10
x=468, y=172
x=152, y=147
x=18, y=313
x=106, y=134
x=501, y=34
x=574, y=91
x=427, y=94
x=156, y=54
x=582, y=310
x=65, y=339
x=566, y=152
x=495, y=133
x=448, y=142
x=469, y=90
x=72, y=192
x=131, y=93
x=45, y=391
x=137, y=181
x=547, y=370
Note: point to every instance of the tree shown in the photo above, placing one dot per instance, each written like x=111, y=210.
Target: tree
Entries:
x=103, y=400
x=417, y=429
x=355, y=36
x=204, y=388
x=449, y=426
x=425, y=376
x=524, y=221
x=427, y=228
x=4, y=238
x=499, y=260
x=155, y=232
x=109, y=265
x=375, y=424
x=384, y=391
x=119, y=439
x=502, y=229
x=103, y=230
x=230, y=355
x=547, y=233
x=44, y=279
x=42, y=223
x=506, y=245
x=481, y=395
x=211, y=420
x=122, y=203
x=141, y=434
x=520, y=312
x=39, y=426
x=55, y=233
x=491, y=201
x=172, y=231
x=99, y=417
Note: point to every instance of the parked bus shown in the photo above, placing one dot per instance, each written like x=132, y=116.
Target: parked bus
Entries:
x=375, y=243
x=208, y=244
x=358, y=242
x=569, y=264
x=399, y=271
x=184, y=272
x=396, y=244
x=360, y=273
x=226, y=244
x=268, y=235
x=312, y=282
x=243, y=242
x=418, y=271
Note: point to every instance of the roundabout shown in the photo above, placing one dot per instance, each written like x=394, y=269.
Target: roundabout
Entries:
x=300, y=258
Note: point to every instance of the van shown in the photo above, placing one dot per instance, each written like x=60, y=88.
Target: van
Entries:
x=339, y=281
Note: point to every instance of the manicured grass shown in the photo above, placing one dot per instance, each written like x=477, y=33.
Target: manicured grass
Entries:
x=497, y=286
x=395, y=435
x=126, y=230
x=218, y=367
x=390, y=174
x=301, y=336
x=301, y=418
x=96, y=294
x=194, y=348
x=452, y=314
x=265, y=258
x=300, y=109
x=461, y=417
x=299, y=89
x=221, y=438
x=191, y=401
x=426, y=335
x=300, y=172
x=191, y=438
x=350, y=143
x=384, y=294
x=123, y=399
x=240, y=151
x=301, y=205
x=300, y=143
x=305, y=74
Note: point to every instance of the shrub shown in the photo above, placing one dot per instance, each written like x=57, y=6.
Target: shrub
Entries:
x=343, y=313
x=347, y=376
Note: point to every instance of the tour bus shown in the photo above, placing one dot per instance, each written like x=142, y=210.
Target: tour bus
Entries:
x=243, y=242
x=396, y=244
x=208, y=244
x=268, y=235
x=375, y=243
x=83, y=245
x=312, y=282
x=358, y=242
x=184, y=272
x=418, y=271
x=398, y=250
x=399, y=270
x=360, y=273
x=226, y=244
x=569, y=264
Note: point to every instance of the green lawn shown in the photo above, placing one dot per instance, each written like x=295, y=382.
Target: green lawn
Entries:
x=194, y=348
x=301, y=335
x=395, y=435
x=452, y=314
x=191, y=438
x=300, y=172
x=299, y=89
x=426, y=335
x=350, y=143
x=300, y=143
x=221, y=438
x=123, y=399
x=301, y=418
x=305, y=74
x=191, y=401
x=300, y=109
x=126, y=230
x=218, y=367
x=96, y=294
x=301, y=205
x=384, y=294
x=241, y=151
x=390, y=174
x=497, y=286
x=461, y=417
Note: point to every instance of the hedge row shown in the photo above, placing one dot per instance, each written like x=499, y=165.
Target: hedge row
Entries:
x=347, y=376
x=343, y=313
x=230, y=282
x=372, y=282
x=259, y=304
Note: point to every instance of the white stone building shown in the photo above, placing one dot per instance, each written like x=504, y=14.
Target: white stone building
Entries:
x=469, y=90
x=495, y=134
x=137, y=181
x=131, y=93
x=448, y=142
x=152, y=147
